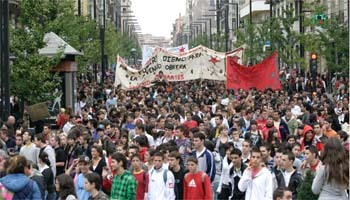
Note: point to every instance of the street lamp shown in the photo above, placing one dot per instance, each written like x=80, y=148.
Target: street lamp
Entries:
x=4, y=59
x=134, y=54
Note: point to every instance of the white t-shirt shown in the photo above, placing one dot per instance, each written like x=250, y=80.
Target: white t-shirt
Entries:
x=287, y=176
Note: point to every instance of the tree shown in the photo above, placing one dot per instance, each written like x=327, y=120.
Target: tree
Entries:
x=31, y=79
x=329, y=39
x=202, y=39
x=304, y=191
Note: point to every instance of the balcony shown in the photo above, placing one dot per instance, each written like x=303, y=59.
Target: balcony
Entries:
x=257, y=6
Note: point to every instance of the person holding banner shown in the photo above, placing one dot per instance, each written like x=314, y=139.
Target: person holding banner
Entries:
x=162, y=83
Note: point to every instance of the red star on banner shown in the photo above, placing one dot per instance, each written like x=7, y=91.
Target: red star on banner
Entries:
x=182, y=50
x=214, y=60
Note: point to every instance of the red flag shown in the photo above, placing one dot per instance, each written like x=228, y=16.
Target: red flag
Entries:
x=261, y=76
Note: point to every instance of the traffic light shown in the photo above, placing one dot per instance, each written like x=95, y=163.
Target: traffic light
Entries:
x=313, y=64
x=319, y=19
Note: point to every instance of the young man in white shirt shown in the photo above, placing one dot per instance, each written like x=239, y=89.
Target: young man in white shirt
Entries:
x=289, y=178
x=161, y=180
x=256, y=180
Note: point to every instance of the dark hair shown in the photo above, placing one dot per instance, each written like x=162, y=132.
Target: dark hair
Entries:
x=236, y=151
x=40, y=137
x=141, y=126
x=142, y=140
x=192, y=159
x=279, y=192
x=220, y=116
x=343, y=135
x=66, y=185
x=93, y=122
x=267, y=146
x=134, y=147
x=175, y=154
x=16, y=165
x=296, y=144
x=98, y=149
x=313, y=150
x=94, y=178
x=201, y=136
x=181, y=128
x=290, y=155
x=159, y=154
x=135, y=156
x=255, y=150
x=120, y=157
x=209, y=145
x=169, y=126
x=43, y=156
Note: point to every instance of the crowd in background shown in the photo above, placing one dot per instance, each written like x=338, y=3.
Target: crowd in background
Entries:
x=194, y=141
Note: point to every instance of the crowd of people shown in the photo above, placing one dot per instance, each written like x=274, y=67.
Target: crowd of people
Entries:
x=196, y=140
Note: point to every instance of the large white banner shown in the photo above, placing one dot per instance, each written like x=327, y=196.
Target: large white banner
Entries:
x=147, y=51
x=198, y=63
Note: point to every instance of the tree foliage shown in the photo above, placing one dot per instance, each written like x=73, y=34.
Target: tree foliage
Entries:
x=202, y=39
x=304, y=191
x=31, y=79
x=330, y=40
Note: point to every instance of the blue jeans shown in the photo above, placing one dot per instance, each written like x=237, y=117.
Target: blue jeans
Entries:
x=214, y=187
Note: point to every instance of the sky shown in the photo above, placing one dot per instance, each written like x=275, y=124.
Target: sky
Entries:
x=157, y=16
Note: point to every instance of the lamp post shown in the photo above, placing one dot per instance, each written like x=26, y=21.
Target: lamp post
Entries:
x=4, y=59
x=102, y=37
x=134, y=54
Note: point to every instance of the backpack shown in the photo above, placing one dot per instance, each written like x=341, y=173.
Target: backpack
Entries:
x=165, y=175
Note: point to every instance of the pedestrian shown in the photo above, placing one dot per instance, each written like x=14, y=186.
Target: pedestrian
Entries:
x=124, y=184
x=289, y=177
x=98, y=161
x=205, y=158
x=332, y=177
x=81, y=166
x=40, y=142
x=140, y=175
x=236, y=172
x=256, y=180
x=44, y=163
x=29, y=149
x=161, y=180
x=197, y=184
x=17, y=184
x=65, y=187
x=93, y=185
x=179, y=172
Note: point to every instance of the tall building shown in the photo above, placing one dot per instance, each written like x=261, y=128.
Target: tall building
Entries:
x=178, y=35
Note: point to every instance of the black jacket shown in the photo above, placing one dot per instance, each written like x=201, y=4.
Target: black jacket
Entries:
x=294, y=182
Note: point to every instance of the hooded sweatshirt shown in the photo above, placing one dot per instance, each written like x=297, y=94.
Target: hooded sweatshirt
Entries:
x=315, y=142
x=21, y=186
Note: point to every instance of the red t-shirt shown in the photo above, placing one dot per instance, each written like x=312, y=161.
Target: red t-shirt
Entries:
x=261, y=124
x=142, y=184
x=196, y=188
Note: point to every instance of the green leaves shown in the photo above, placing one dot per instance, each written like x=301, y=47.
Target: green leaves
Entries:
x=330, y=40
x=31, y=79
